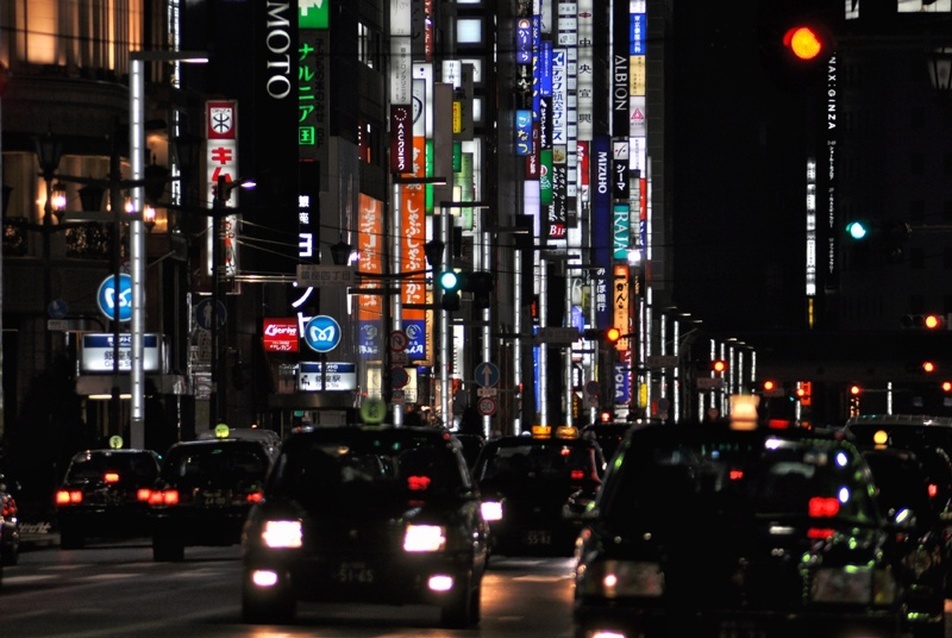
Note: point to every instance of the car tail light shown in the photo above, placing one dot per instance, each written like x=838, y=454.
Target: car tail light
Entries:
x=823, y=507
x=9, y=509
x=418, y=483
x=254, y=497
x=69, y=497
x=933, y=490
x=143, y=494
x=111, y=477
x=820, y=533
x=576, y=475
x=163, y=497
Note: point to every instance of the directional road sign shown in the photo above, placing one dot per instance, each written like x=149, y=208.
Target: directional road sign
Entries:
x=486, y=374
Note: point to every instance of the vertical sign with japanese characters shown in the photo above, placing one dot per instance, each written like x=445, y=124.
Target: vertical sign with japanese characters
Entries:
x=221, y=131
x=370, y=307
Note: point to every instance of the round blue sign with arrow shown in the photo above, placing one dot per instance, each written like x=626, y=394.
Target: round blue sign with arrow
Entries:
x=486, y=374
x=322, y=333
x=106, y=297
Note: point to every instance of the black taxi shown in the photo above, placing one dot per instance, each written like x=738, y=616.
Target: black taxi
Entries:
x=205, y=491
x=104, y=494
x=720, y=529
x=366, y=514
x=529, y=484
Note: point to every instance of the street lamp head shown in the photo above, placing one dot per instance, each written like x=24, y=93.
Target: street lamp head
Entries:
x=341, y=252
x=58, y=199
x=49, y=151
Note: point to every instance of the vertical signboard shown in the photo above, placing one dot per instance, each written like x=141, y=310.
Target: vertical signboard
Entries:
x=370, y=315
x=221, y=131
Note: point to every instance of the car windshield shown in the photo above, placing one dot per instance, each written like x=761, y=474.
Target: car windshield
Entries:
x=359, y=471
x=225, y=463
x=121, y=468
x=770, y=479
x=549, y=461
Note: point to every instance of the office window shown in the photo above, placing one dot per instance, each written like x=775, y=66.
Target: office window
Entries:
x=469, y=31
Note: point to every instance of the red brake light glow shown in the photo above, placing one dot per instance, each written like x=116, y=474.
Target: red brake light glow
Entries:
x=68, y=497
x=143, y=494
x=736, y=475
x=254, y=497
x=164, y=497
x=933, y=490
x=823, y=507
x=577, y=475
x=418, y=483
x=820, y=533
x=111, y=477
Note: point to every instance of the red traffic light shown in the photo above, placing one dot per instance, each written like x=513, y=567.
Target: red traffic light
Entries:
x=719, y=366
x=612, y=334
x=805, y=42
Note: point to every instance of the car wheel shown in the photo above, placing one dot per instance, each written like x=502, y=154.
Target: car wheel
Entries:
x=167, y=549
x=458, y=612
x=71, y=539
x=270, y=609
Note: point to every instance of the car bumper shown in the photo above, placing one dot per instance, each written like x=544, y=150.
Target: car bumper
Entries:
x=201, y=527
x=416, y=579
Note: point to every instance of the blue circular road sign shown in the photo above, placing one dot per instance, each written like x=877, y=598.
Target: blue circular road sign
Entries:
x=322, y=333
x=106, y=297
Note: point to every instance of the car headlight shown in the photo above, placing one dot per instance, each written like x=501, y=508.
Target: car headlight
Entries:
x=853, y=584
x=282, y=534
x=617, y=578
x=492, y=510
x=424, y=538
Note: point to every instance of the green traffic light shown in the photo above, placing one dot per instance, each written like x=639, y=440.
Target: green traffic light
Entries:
x=857, y=230
x=449, y=280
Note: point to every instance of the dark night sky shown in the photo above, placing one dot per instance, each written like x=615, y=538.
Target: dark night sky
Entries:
x=739, y=167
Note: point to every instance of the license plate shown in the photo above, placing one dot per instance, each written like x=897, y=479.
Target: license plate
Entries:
x=354, y=573
x=538, y=537
x=216, y=499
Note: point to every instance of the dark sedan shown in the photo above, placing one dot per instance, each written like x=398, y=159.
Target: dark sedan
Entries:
x=105, y=493
x=366, y=514
x=204, y=493
x=701, y=529
x=529, y=485
x=904, y=489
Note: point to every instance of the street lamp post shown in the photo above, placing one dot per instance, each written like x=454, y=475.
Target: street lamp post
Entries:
x=223, y=189
x=49, y=151
x=137, y=148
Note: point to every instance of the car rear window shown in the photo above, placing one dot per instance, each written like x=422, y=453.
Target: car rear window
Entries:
x=226, y=463
x=550, y=461
x=138, y=468
x=772, y=479
x=344, y=470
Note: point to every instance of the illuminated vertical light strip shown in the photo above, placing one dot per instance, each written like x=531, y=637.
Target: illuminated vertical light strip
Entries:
x=811, y=262
x=137, y=249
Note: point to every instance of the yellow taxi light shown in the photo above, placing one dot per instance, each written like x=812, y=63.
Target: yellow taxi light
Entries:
x=566, y=432
x=541, y=431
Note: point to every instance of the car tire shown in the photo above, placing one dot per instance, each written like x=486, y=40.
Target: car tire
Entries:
x=272, y=609
x=459, y=611
x=166, y=550
x=71, y=539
